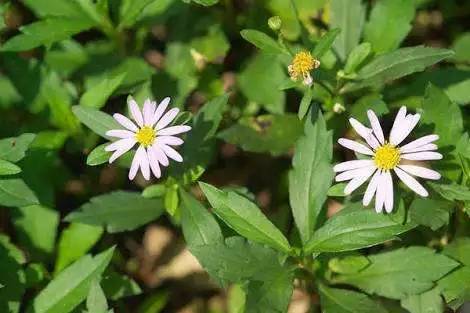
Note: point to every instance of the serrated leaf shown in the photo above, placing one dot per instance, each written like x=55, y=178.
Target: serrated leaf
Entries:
x=245, y=217
x=266, y=133
x=199, y=226
x=377, y=30
x=75, y=241
x=198, y=149
x=336, y=300
x=118, y=211
x=46, y=32
x=429, y=212
x=325, y=43
x=401, y=62
x=400, y=273
x=305, y=103
x=459, y=250
x=98, y=121
x=311, y=175
x=426, y=302
x=97, y=95
x=72, y=285
x=262, y=41
x=452, y=192
x=8, y=168
x=354, y=229
x=14, y=192
x=455, y=288
x=14, y=149
x=348, y=16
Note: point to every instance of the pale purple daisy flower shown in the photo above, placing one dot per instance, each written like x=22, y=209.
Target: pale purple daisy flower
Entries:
x=151, y=132
x=385, y=157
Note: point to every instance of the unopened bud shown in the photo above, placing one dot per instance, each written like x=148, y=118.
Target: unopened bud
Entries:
x=275, y=23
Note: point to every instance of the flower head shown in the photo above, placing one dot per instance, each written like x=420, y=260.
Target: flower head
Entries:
x=301, y=66
x=385, y=157
x=151, y=133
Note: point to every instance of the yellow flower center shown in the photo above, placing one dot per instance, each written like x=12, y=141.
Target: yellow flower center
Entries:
x=387, y=157
x=302, y=64
x=145, y=136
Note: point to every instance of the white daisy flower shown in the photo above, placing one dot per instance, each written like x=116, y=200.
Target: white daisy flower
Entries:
x=151, y=133
x=385, y=157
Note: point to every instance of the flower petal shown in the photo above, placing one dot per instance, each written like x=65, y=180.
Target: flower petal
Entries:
x=419, y=142
x=123, y=148
x=380, y=195
x=365, y=132
x=167, y=118
x=398, y=122
x=427, y=147
x=149, y=113
x=388, y=187
x=402, y=132
x=355, y=146
x=420, y=171
x=125, y=122
x=371, y=188
x=174, y=130
x=135, y=112
x=170, y=140
x=161, y=109
x=120, y=133
x=154, y=164
x=412, y=183
x=171, y=153
x=422, y=156
x=121, y=144
x=348, y=175
x=350, y=165
x=136, y=163
x=374, y=122
x=358, y=181
x=160, y=155
x=145, y=165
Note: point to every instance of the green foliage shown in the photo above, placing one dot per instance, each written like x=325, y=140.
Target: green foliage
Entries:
x=342, y=301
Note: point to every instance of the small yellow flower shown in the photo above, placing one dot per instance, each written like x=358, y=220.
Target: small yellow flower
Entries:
x=301, y=66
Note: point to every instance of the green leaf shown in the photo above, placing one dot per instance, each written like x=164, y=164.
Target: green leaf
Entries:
x=72, y=285
x=98, y=121
x=354, y=229
x=459, y=250
x=130, y=11
x=154, y=191
x=245, y=217
x=118, y=211
x=348, y=264
x=46, y=32
x=97, y=95
x=50, y=140
x=8, y=168
x=325, y=43
x=377, y=31
x=117, y=286
x=96, y=300
x=14, y=149
x=213, y=46
x=12, y=278
x=348, y=16
x=357, y=56
x=266, y=133
x=199, y=226
x=305, y=103
x=368, y=102
x=461, y=46
x=36, y=228
x=75, y=240
x=454, y=287
x=199, y=146
x=98, y=155
x=335, y=300
x=452, y=192
x=431, y=213
x=266, y=92
x=311, y=176
x=206, y=2
x=427, y=302
x=44, y=8
x=439, y=110
x=400, y=273
x=389, y=66
x=154, y=303
x=14, y=192
x=262, y=41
